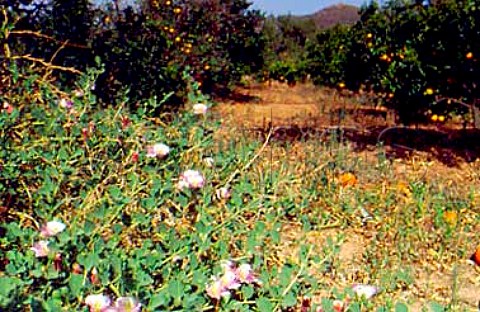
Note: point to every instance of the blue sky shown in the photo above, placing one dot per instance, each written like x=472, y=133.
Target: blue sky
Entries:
x=298, y=6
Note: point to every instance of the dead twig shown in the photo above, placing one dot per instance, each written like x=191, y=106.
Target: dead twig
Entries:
x=46, y=64
x=43, y=36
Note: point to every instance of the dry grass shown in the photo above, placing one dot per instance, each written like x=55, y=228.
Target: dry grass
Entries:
x=407, y=246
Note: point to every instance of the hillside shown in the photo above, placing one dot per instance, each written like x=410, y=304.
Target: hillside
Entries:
x=333, y=15
x=336, y=14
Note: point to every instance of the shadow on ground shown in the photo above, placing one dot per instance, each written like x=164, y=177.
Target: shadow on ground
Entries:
x=448, y=146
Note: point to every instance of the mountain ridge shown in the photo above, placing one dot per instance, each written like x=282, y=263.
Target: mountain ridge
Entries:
x=332, y=15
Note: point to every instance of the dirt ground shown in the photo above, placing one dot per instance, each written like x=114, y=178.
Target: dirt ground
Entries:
x=441, y=153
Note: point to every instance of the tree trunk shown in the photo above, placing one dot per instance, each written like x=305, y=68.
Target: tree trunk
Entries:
x=476, y=116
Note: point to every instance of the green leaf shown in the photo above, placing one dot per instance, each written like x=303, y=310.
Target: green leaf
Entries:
x=175, y=288
x=401, y=307
x=158, y=300
x=247, y=292
x=436, y=307
x=289, y=300
x=115, y=192
x=264, y=305
x=76, y=284
x=8, y=284
x=89, y=261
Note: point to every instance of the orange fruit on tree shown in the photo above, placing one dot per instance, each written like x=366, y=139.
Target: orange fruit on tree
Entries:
x=469, y=55
x=434, y=118
x=429, y=91
x=347, y=179
x=441, y=118
x=369, y=36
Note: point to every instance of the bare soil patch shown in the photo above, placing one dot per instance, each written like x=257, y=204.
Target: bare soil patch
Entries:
x=444, y=156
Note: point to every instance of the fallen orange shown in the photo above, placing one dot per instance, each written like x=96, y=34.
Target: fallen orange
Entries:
x=347, y=179
x=450, y=217
x=476, y=256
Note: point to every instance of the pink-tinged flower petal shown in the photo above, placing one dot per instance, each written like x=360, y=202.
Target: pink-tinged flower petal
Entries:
x=223, y=193
x=40, y=249
x=191, y=179
x=78, y=93
x=97, y=303
x=365, y=290
x=128, y=304
x=200, y=109
x=181, y=185
x=229, y=280
x=151, y=152
x=245, y=274
x=216, y=290
x=52, y=228
x=8, y=107
x=159, y=150
x=64, y=103
x=227, y=265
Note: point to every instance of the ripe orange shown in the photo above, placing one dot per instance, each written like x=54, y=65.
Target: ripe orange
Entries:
x=450, y=217
x=469, y=55
x=441, y=118
x=341, y=85
x=347, y=179
x=384, y=57
x=429, y=91
x=434, y=117
x=177, y=10
x=369, y=36
x=476, y=256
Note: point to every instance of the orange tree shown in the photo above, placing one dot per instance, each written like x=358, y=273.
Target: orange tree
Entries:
x=418, y=57
x=151, y=48
x=327, y=57
x=285, y=40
